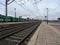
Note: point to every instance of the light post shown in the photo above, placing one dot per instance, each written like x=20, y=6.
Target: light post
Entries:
x=47, y=15
x=15, y=12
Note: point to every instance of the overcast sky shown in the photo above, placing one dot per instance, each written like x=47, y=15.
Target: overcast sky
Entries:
x=33, y=9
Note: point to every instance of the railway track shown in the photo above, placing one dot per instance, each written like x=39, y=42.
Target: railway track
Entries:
x=17, y=34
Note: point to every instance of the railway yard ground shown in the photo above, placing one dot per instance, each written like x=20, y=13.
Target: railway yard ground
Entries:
x=8, y=24
x=17, y=33
x=33, y=33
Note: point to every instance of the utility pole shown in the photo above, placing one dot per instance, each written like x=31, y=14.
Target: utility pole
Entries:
x=47, y=15
x=6, y=5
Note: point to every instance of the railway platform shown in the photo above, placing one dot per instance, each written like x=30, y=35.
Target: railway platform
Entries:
x=45, y=35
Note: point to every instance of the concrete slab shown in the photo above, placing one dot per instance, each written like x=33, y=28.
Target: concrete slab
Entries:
x=34, y=37
x=46, y=35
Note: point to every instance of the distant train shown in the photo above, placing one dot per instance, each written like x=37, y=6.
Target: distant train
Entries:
x=12, y=19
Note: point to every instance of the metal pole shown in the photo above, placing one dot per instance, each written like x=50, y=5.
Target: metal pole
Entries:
x=6, y=10
x=47, y=15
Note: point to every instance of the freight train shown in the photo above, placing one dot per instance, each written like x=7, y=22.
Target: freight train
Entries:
x=12, y=19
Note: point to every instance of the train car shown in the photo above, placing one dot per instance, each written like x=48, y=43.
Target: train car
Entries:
x=15, y=19
x=12, y=19
x=2, y=18
x=9, y=18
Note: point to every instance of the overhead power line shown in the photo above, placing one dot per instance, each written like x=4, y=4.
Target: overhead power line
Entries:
x=37, y=5
x=23, y=4
x=2, y=4
x=57, y=5
x=34, y=6
x=57, y=2
x=23, y=7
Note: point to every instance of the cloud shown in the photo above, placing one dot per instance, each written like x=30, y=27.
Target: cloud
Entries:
x=29, y=10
